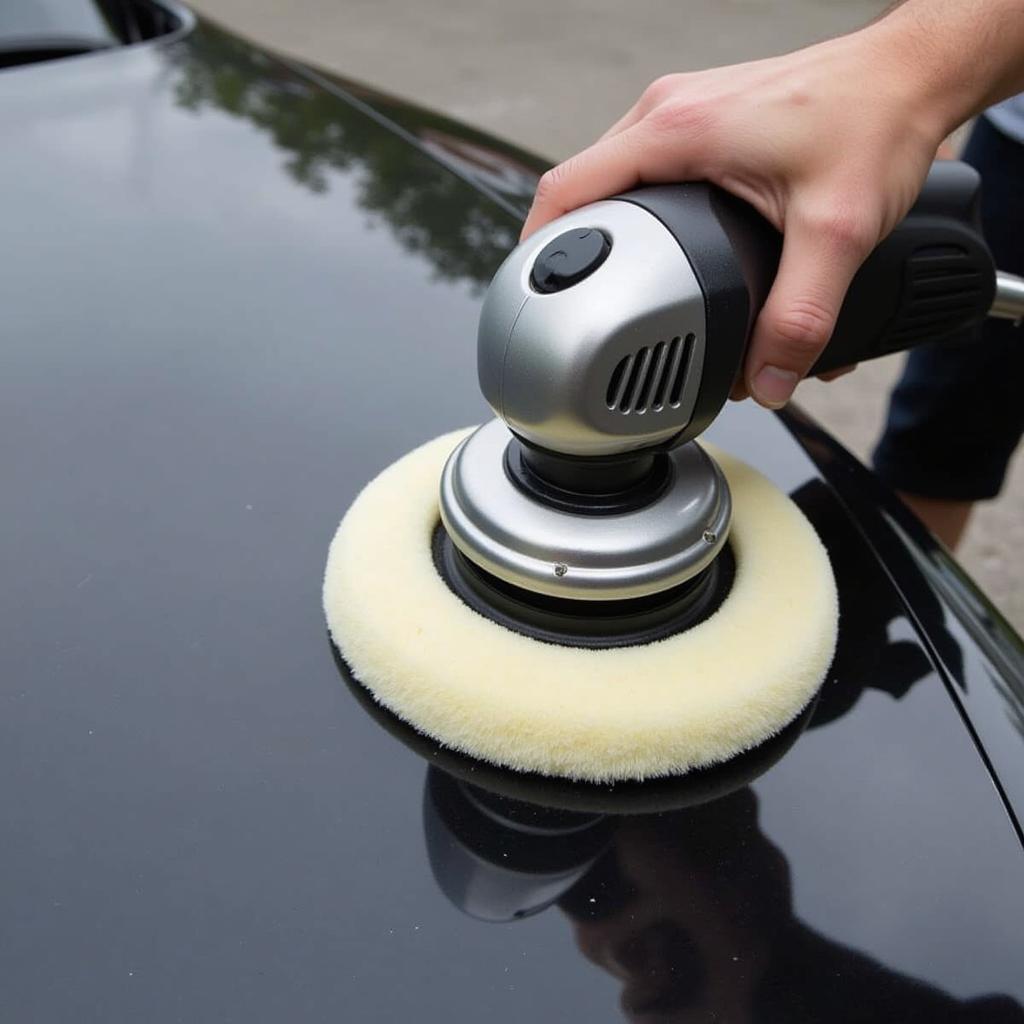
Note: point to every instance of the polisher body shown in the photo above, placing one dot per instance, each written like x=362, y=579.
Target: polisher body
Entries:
x=614, y=335
x=623, y=324
x=607, y=342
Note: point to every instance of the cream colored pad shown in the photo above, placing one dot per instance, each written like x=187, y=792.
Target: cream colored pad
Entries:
x=693, y=699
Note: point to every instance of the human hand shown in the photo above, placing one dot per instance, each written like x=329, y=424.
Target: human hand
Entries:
x=831, y=144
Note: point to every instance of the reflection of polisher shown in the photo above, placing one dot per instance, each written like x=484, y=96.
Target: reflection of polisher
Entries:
x=642, y=605
x=503, y=848
x=691, y=912
x=499, y=859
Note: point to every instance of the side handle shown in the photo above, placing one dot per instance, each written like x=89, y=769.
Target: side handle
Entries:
x=931, y=279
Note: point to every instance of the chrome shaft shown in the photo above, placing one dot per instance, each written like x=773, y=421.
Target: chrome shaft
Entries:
x=1009, y=301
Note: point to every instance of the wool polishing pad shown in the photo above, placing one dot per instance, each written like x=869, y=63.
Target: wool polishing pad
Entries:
x=693, y=699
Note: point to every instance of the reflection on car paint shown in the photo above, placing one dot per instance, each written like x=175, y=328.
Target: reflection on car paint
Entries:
x=232, y=297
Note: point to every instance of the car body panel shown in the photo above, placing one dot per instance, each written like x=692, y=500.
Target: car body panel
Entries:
x=231, y=296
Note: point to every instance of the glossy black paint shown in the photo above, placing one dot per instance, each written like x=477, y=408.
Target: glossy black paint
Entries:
x=693, y=910
x=231, y=293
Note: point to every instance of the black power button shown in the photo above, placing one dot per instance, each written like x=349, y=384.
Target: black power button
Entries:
x=569, y=258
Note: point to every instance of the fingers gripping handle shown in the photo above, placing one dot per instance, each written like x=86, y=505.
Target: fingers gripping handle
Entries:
x=931, y=279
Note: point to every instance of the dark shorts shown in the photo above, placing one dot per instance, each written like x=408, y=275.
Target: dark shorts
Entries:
x=957, y=413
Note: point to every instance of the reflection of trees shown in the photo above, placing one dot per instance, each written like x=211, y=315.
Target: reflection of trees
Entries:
x=462, y=232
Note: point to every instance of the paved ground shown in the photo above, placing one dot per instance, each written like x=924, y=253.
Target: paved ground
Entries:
x=552, y=75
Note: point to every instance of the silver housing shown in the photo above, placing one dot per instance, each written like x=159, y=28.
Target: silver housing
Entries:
x=584, y=557
x=546, y=361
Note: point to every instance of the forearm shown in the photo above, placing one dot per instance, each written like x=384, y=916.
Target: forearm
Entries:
x=959, y=56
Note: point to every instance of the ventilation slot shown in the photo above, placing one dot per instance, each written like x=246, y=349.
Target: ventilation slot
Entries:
x=651, y=378
x=945, y=289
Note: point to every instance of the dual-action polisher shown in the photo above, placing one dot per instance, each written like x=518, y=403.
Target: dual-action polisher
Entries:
x=612, y=338
x=580, y=589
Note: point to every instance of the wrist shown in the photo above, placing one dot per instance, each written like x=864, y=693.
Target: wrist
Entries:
x=917, y=76
x=950, y=59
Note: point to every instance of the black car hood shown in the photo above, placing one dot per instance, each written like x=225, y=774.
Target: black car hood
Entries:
x=231, y=294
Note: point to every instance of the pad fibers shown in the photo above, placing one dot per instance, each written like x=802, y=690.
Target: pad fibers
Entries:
x=687, y=701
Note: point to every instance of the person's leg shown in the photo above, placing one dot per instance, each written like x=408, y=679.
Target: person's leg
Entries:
x=957, y=413
x=946, y=519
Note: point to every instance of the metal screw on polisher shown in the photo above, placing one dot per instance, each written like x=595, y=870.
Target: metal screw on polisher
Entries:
x=710, y=536
x=561, y=568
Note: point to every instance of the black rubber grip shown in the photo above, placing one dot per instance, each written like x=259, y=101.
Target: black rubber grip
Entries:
x=932, y=279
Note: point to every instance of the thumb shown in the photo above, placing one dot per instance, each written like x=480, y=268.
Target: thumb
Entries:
x=820, y=255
